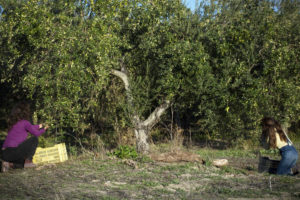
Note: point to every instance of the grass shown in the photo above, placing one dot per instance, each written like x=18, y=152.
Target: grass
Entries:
x=89, y=177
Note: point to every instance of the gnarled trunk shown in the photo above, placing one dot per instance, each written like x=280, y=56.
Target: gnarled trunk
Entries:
x=141, y=128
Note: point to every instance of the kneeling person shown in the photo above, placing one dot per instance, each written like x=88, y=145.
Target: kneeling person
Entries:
x=17, y=150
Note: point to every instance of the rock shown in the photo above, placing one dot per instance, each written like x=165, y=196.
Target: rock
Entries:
x=220, y=162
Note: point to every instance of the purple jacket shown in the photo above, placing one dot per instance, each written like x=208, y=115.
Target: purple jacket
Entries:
x=19, y=132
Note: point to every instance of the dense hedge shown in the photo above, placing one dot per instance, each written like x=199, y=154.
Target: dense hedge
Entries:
x=223, y=67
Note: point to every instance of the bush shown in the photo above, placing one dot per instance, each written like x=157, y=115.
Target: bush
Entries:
x=125, y=151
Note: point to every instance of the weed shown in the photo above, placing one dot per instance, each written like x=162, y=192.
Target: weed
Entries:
x=208, y=163
x=150, y=183
x=269, y=151
x=175, y=181
x=232, y=170
x=165, y=184
x=144, y=174
x=125, y=151
x=234, y=153
x=144, y=159
x=108, y=198
x=73, y=151
x=170, y=168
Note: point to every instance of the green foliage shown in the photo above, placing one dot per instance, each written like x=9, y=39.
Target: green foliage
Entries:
x=73, y=151
x=61, y=65
x=125, y=152
x=47, y=142
x=252, y=73
x=223, y=67
x=271, y=153
x=231, y=170
x=144, y=159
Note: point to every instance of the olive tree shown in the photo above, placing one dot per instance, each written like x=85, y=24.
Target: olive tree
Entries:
x=59, y=56
x=159, y=61
x=66, y=53
x=253, y=53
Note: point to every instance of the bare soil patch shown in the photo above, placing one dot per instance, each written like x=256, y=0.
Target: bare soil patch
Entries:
x=176, y=156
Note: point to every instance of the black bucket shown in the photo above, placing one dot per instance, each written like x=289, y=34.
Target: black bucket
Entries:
x=267, y=165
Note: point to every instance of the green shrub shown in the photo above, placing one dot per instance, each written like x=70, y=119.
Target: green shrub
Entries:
x=125, y=151
x=46, y=142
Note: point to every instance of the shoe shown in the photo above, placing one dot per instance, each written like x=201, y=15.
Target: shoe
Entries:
x=29, y=164
x=295, y=170
x=6, y=166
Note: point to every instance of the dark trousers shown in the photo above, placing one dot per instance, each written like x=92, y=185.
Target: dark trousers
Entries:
x=19, y=154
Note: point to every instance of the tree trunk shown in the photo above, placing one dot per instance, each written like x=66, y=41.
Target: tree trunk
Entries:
x=142, y=144
x=141, y=128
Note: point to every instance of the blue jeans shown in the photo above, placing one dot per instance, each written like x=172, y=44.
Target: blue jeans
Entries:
x=289, y=157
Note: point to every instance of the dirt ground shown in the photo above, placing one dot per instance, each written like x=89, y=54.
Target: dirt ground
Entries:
x=102, y=177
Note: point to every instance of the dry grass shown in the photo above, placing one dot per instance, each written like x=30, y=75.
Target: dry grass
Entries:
x=176, y=156
x=97, y=177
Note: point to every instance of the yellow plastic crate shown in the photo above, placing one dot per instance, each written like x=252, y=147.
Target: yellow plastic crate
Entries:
x=55, y=154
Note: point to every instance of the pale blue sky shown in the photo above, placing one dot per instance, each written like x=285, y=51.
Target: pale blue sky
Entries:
x=190, y=3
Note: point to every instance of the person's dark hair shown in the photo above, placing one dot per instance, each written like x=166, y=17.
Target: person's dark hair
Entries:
x=269, y=128
x=20, y=111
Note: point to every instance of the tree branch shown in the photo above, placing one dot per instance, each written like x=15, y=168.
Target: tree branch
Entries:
x=122, y=76
x=155, y=115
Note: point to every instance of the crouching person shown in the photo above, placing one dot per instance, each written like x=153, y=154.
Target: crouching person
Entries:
x=275, y=137
x=17, y=149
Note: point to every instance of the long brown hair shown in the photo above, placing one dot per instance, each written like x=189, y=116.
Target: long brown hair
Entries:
x=20, y=111
x=269, y=128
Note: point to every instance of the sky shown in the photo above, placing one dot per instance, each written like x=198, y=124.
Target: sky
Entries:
x=190, y=3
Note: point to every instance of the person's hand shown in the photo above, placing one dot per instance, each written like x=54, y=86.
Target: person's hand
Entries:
x=40, y=125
